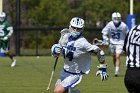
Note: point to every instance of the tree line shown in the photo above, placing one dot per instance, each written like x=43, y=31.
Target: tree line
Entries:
x=59, y=12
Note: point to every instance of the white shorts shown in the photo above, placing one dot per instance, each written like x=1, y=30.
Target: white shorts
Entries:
x=68, y=80
x=113, y=49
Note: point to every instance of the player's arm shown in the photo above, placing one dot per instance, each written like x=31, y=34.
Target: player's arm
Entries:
x=105, y=39
x=102, y=71
x=101, y=58
x=99, y=53
x=9, y=28
x=105, y=34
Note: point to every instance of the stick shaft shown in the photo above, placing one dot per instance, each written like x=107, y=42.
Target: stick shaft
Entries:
x=50, y=80
x=52, y=74
x=55, y=63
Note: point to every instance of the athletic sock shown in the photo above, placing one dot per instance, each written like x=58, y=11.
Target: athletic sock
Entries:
x=117, y=70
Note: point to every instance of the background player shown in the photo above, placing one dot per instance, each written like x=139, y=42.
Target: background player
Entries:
x=77, y=57
x=6, y=30
x=114, y=34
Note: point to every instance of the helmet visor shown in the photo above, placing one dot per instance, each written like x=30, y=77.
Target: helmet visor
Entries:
x=77, y=29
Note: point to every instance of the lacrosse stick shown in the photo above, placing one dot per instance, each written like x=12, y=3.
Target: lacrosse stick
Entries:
x=63, y=40
x=52, y=73
x=96, y=41
x=64, y=37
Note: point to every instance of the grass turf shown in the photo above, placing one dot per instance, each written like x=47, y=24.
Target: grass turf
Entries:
x=32, y=74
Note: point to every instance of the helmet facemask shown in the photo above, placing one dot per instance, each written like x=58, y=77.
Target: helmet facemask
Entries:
x=2, y=16
x=76, y=27
x=116, y=18
x=75, y=32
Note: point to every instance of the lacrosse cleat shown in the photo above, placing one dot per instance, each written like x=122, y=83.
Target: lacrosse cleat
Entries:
x=116, y=74
x=13, y=63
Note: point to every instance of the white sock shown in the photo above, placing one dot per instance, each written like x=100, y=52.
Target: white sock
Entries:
x=117, y=69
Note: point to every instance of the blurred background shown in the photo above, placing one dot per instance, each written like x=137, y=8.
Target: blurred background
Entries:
x=37, y=23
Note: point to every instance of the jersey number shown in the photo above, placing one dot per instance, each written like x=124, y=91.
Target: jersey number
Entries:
x=68, y=55
x=1, y=32
x=136, y=38
x=115, y=35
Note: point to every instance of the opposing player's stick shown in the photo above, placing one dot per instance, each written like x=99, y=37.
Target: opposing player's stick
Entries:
x=96, y=41
x=52, y=73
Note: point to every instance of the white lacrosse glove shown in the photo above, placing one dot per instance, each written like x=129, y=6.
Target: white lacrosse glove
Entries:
x=102, y=72
x=56, y=50
x=5, y=38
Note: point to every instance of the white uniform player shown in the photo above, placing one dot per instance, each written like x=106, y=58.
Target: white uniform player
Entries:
x=114, y=34
x=76, y=51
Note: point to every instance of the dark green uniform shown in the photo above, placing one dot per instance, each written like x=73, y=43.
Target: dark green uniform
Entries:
x=5, y=29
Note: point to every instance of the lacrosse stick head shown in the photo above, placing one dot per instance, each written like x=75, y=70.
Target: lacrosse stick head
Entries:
x=96, y=41
x=64, y=36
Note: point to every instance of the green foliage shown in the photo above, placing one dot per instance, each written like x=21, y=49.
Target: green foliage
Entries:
x=40, y=39
x=59, y=12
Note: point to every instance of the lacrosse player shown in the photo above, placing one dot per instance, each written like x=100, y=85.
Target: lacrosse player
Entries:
x=113, y=34
x=76, y=51
x=6, y=30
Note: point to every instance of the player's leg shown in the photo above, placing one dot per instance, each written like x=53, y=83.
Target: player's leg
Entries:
x=59, y=89
x=5, y=49
x=66, y=81
x=114, y=60
x=12, y=58
x=119, y=50
x=112, y=50
x=117, y=64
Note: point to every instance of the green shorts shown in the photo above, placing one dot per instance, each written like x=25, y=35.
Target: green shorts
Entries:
x=3, y=46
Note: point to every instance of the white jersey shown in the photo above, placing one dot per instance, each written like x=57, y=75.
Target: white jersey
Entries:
x=116, y=35
x=76, y=54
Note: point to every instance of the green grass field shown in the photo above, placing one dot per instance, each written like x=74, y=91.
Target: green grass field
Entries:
x=32, y=74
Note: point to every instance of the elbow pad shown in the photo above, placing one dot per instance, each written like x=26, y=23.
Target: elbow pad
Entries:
x=100, y=55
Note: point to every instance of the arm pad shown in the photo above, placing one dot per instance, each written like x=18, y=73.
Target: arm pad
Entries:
x=100, y=54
